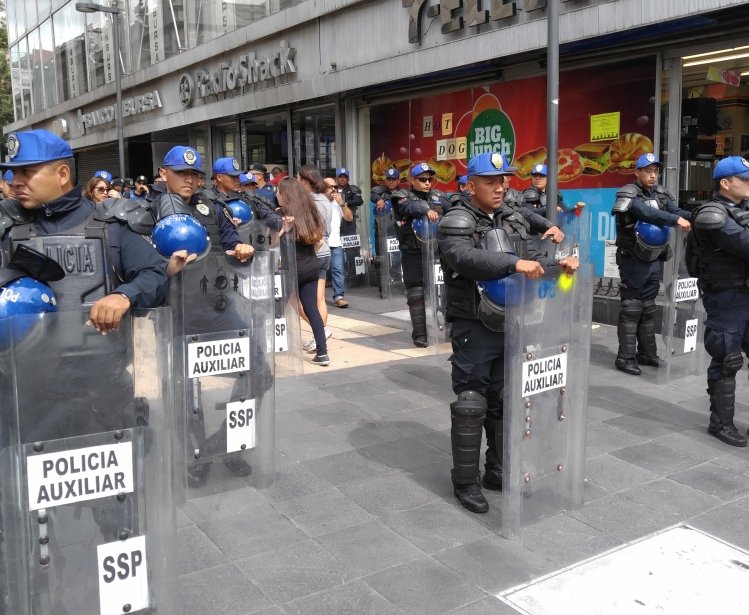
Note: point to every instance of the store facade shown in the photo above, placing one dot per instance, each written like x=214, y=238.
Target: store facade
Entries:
x=371, y=84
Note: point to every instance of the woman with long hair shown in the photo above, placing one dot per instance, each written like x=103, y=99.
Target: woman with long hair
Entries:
x=311, y=180
x=97, y=190
x=297, y=203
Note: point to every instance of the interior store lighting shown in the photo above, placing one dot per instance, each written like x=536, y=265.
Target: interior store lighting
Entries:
x=734, y=56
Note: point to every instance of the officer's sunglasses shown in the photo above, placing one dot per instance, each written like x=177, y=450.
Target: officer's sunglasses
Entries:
x=425, y=180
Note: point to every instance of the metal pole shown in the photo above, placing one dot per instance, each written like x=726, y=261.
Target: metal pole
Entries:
x=118, y=85
x=552, y=109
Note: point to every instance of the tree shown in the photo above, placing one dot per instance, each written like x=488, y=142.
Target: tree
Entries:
x=6, y=93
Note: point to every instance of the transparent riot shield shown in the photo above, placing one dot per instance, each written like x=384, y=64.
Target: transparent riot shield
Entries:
x=547, y=353
x=86, y=485
x=435, y=299
x=224, y=347
x=682, y=329
x=388, y=260
x=354, y=263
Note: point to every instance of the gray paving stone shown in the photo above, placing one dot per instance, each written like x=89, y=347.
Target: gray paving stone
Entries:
x=313, y=396
x=655, y=457
x=440, y=439
x=744, y=502
x=494, y=563
x=714, y=479
x=622, y=518
x=565, y=540
x=419, y=421
x=423, y=587
x=311, y=445
x=728, y=523
x=488, y=606
x=290, y=423
x=195, y=551
x=395, y=491
x=645, y=424
x=356, y=597
x=435, y=526
x=347, y=467
x=369, y=548
x=615, y=474
x=364, y=432
x=182, y=519
x=324, y=512
x=591, y=491
x=670, y=498
x=293, y=571
x=385, y=403
x=695, y=442
x=405, y=453
x=738, y=463
x=603, y=438
x=294, y=481
x=222, y=589
x=601, y=413
x=337, y=413
x=363, y=390
x=435, y=477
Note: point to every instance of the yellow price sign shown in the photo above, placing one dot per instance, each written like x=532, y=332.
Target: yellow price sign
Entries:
x=604, y=126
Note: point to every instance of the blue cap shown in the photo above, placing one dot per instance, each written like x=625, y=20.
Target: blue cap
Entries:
x=733, y=165
x=35, y=147
x=227, y=166
x=342, y=171
x=462, y=180
x=105, y=175
x=540, y=169
x=8, y=176
x=490, y=164
x=646, y=160
x=244, y=179
x=422, y=167
x=182, y=158
x=392, y=174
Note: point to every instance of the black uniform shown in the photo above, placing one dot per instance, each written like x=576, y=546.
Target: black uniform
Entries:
x=407, y=205
x=352, y=196
x=478, y=352
x=718, y=255
x=640, y=268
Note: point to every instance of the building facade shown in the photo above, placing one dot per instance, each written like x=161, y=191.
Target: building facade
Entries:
x=379, y=83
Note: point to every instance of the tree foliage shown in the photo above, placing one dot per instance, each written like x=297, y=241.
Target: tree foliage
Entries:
x=6, y=94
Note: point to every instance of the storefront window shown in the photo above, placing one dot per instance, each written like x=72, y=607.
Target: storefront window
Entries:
x=70, y=52
x=209, y=19
x=266, y=141
x=314, y=139
x=37, y=74
x=31, y=17
x=19, y=10
x=15, y=73
x=156, y=31
x=25, y=74
x=47, y=60
x=606, y=117
x=11, y=15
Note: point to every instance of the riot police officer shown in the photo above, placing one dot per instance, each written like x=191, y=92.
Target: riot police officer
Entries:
x=352, y=196
x=482, y=239
x=263, y=188
x=718, y=255
x=643, y=211
x=50, y=205
x=421, y=200
x=6, y=181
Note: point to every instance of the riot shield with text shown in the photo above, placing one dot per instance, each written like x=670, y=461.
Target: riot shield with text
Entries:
x=435, y=298
x=86, y=485
x=354, y=263
x=224, y=347
x=683, y=324
x=388, y=260
x=547, y=353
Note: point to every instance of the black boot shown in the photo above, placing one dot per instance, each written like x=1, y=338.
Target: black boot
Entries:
x=417, y=309
x=629, y=318
x=467, y=414
x=648, y=351
x=493, y=467
x=722, y=406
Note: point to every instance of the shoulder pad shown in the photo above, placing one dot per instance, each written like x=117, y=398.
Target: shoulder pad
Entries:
x=378, y=191
x=13, y=209
x=355, y=189
x=458, y=197
x=531, y=195
x=630, y=191
x=457, y=221
x=436, y=193
x=710, y=216
x=401, y=194
x=624, y=197
x=211, y=195
x=168, y=204
x=136, y=214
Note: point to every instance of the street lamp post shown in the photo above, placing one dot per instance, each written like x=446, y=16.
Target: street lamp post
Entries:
x=90, y=7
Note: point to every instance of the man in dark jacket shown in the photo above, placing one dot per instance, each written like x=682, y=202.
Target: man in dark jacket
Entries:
x=478, y=351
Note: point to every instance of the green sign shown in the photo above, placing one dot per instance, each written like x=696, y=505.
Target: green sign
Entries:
x=491, y=131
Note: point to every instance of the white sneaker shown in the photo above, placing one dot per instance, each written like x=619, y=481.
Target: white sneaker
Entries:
x=328, y=333
x=310, y=346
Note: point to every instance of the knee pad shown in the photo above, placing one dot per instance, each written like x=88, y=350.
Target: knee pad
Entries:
x=631, y=309
x=415, y=295
x=648, y=308
x=732, y=363
x=470, y=404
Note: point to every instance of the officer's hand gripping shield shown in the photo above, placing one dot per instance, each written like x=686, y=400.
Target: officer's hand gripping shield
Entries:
x=224, y=372
x=683, y=324
x=435, y=296
x=547, y=353
x=388, y=259
x=86, y=485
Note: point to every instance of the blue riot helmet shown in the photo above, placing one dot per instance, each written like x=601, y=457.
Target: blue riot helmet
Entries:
x=177, y=229
x=241, y=210
x=25, y=299
x=650, y=239
x=424, y=229
x=493, y=292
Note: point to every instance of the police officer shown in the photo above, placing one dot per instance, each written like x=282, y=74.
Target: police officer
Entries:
x=6, y=189
x=718, y=255
x=380, y=195
x=421, y=200
x=643, y=212
x=352, y=196
x=140, y=191
x=132, y=275
x=263, y=189
x=478, y=349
